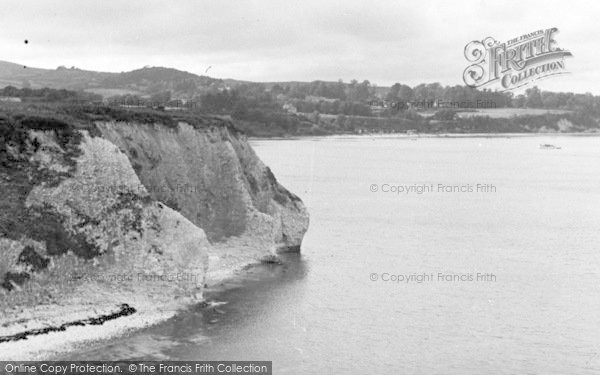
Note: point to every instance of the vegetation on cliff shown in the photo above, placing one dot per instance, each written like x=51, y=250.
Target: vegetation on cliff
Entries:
x=20, y=172
x=55, y=159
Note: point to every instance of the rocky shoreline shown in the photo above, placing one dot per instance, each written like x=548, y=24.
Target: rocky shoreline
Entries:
x=57, y=338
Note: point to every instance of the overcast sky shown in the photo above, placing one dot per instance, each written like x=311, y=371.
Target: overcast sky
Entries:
x=281, y=40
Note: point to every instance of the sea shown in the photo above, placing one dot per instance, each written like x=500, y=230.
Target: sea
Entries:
x=425, y=255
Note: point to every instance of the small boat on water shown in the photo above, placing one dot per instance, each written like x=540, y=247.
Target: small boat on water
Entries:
x=547, y=146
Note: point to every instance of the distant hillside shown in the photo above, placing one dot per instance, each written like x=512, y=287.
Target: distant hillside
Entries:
x=310, y=108
x=145, y=81
x=25, y=76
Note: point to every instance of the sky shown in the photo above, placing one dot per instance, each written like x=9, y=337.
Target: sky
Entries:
x=410, y=42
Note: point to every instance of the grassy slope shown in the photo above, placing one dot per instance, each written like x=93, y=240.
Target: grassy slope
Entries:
x=509, y=112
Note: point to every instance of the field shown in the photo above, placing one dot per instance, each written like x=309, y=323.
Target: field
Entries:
x=510, y=112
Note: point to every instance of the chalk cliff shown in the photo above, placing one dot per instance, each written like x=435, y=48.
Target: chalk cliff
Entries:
x=214, y=179
x=120, y=220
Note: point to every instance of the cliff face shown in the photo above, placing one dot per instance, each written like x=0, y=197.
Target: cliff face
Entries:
x=127, y=220
x=214, y=178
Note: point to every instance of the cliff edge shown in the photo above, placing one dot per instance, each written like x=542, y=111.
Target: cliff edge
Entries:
x=116, y=219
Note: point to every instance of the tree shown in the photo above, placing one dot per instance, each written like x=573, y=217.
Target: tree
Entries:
x=405, y=93
x=549, y=99
x=393, y=93
x=534, y=97
x=420, y=92
x=359, y=92
x=519, y=101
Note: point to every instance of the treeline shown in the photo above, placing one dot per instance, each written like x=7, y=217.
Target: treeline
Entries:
x=347, y=98
x=365, y=92
x=534, y=98
x=566, y=122
x=549, y=122
x=466, y=97
x=353, y=91
x=50, y=95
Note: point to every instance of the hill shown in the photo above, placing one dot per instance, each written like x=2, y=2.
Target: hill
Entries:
x=144, y=81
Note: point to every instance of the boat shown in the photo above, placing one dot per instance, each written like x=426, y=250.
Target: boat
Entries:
x=547, y=146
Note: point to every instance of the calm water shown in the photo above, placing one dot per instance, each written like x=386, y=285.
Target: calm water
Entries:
x=537, y=237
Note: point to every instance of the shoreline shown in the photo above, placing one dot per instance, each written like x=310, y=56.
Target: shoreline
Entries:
x=59, y=343
x=424, y=135
x=222, y=301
